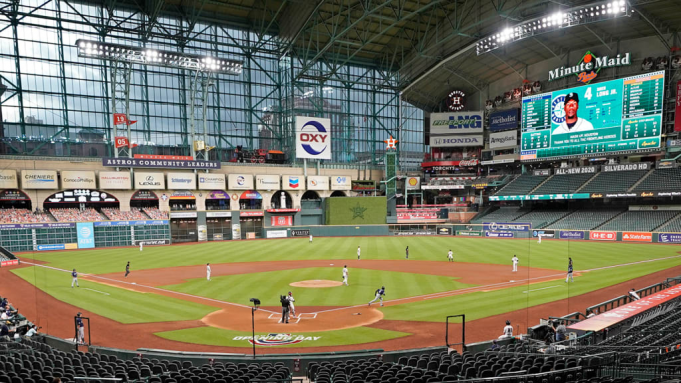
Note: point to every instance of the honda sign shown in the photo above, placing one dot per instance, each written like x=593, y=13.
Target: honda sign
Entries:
x=313, y=138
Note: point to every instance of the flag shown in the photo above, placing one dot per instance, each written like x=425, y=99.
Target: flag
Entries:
x=120, y=119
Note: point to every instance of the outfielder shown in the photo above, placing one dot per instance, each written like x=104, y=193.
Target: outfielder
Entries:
x=292, y=307
x=358, y=252
x=569, y=273
x=450, y=256
x=379, y=296
x=539, y=238
x=74, y=278
x=81, y=329
x=141, y=245
x=208, y=272
x=515, y=263
x=310, y=238
x=127, y=269
x=345, y=275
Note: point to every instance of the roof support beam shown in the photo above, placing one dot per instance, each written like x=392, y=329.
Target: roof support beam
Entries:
x=653, y=24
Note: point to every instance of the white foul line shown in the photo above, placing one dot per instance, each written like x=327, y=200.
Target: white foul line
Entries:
x=97, y=291
x=543, y=288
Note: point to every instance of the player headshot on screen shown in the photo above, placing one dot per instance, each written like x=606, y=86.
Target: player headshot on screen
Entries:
x=572, y=123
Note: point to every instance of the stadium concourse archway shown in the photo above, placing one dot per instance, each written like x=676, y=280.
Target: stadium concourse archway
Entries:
x=250, y=200
x=218, y=200
x=311, y=200
x=15, y=199
x=182, y=200
x=143, y=199
x=338, y=193
x=281, y=200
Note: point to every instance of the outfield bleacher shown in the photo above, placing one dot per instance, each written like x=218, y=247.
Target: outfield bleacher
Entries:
x=613, y=182
x=673, y=226
x=586, y=219
x=503, y=214
x=661, y=179
x=560, y=184
x=540, y=218
x=639, y=220
x=522, y=185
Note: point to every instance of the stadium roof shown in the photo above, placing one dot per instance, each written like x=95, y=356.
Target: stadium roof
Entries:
x=430, y=42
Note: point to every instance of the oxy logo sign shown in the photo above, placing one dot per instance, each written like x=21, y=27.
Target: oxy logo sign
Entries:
x=277, y=339
x=313, y=138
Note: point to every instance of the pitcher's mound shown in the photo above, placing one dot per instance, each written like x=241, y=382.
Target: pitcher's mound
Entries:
x=317, y=283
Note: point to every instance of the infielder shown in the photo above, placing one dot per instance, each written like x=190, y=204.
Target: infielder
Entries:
x=515, y=263
x=407, y=252
x=358, y=252
x=208, y=272
x=141, y=245
x=569, y=273
x=379, y=296
x=450, y=256
x=74, y=278
x=81, y=329
x=345, y=275
x=310, y=238
x=127, y=269
x=292, y=307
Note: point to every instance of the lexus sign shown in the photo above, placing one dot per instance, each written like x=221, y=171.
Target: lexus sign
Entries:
x=313, y=138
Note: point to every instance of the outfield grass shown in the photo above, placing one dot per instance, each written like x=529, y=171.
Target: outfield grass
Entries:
x=363, y=283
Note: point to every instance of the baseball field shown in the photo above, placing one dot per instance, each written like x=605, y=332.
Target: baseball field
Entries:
x=166, y=302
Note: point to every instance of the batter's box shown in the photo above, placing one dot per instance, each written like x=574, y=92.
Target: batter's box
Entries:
x=293, y=320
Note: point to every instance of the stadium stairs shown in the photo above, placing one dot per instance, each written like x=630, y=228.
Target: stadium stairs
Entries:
x=587, y=182
x=634, y=186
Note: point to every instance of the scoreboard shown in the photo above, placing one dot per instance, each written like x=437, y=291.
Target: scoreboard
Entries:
x=622, y=114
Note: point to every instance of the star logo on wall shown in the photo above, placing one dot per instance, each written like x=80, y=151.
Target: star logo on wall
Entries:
x=390, y=143
x=358, y=211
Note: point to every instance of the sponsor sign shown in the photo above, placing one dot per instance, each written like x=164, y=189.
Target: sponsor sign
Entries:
x=218, y=214
x=317, y=183
x=13, y=195
x=149, y=181
x=251, y=213
x=504, y=120
x=571, y=234
x=442, y=187
x=300, y=233
x=669, y=238
x=581, y=170
x=627, y=167
x=218, y=237
x=115, y=180
x=65, y=246
x=637, y=237
x=162, y=157
x=240, y=182
x=503, y=139
x=504, y=226
x=217, y=194
x=211, y=181
x=132, y=223
x=183, y=214
x=539, y=197
x=588, y=67
x=417, y=214
x=444, y=231
x=455, y=141
x=542, y=172
x=182, y=181
x=6, y=226
x=467, y=233
x=8, y=179
x=80, y=179
x=11, y=262
x=281, y=220
x=146, y=195
x=603, y=235
x=666, y=165
x=236, y=230
x=654, y=207
x=86, y=235
x=182, y=194
x=543, y=233
x=341, y=183
x=359, y=185
x=267, y=182
x=251, y=194
x=456, y=123
x=39, y=179
x=313, y=138
x=276, y=233
x=677, y=115
x=627, y=311
x=413, y=183
x=292, y=182
x=167, y=164
x=456, y=100
x=151, y=242
x=81, y=195
x=500, y=161
x=419, y=232
x=450, y=165
x=495, y=234
x=270, y=340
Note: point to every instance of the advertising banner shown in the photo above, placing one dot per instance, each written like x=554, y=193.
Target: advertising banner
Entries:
x=183, y=214
x=504, y=226
x=6, y=226
x=450, y=141
x=413, y=183
x=637, y=237
x=444, y=231
x=627, y=167
x=543, y=233
x=654, y=207
x=669, y=238
x=541, y=172
x=300, y=233
x=217, y=194
x=467, y=233
x=281, y=220
x=267, y=182
x=86, y=235
x=166, y=164
x=580, y=170
x=240, y=182
x=212, y=181
x=603, y=235
x=539, y=197
x=276, y=233
x=251, y=213
x=503, y=139
x=151, y=242
x=495, y=234
x=181, y=181
x=677, y=115
x=162, y=157
x=13, y=195
x=293, y=182
x=39, y=179
x=416, y=232
x=149, y=181
x=80, y=179
x=218, y=214
x=236, y=231
x=65, y=246
x=612, y=116
x=317, y=183
x=115, y=180
x=313, y=138
x=11, y=262
x=456, y=123
x=571, y=234
x=8, y=179
x=132, y=223
x=359, y=185
x=504, y=120
x=341, y=182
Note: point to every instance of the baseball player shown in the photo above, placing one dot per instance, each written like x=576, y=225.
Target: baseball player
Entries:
x=208, y=272
x=569, y=273
x=358, y=252
x=292, y=307
x=407, y=252
x=515, y=263
x=285, y=304
x=345, y=275
x=141, y=245
x=450, y=256
x=538, y=237
x=310, y=238
x=379, y=295
x=572, y=123
x=81, y=329
x=127, y=269
x=74, y=278
x=508, y=330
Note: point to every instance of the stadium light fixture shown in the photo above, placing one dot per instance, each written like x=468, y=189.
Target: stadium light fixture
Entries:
x=147, y=56
x=587, y=14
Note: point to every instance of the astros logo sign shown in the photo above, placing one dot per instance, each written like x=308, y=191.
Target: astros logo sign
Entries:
x=313, y=138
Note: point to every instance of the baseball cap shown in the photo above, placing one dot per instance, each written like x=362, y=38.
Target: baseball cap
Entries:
x=572, y=96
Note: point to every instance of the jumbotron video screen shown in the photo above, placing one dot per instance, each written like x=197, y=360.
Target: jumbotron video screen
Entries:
x=618, y=115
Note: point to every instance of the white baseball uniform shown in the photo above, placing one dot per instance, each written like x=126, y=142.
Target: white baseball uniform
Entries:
x=358, y=252
x=515, y=263
x=310, y=238
x=141, y=246
x=291, y=306
x=345, y=276
x=539, y=240
x=208, y=272
x=450, y=255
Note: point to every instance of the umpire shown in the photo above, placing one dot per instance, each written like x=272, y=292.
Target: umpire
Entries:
x=285, y=306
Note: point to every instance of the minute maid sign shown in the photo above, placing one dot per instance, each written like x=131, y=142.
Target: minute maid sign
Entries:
x=277, y=339
x=588, y=67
